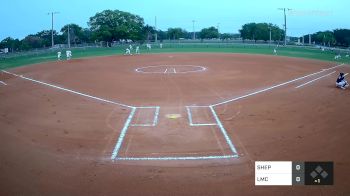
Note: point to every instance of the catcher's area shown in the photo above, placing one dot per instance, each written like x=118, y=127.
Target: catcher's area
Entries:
x=168, y=123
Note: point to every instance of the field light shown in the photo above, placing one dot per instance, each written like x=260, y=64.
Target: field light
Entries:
x=285, y=23
x=52, y=13
x=194, y=33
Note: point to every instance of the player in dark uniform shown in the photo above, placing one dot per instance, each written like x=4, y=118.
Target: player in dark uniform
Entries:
x=341, y=82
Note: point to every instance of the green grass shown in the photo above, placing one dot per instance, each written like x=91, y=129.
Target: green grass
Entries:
x=309, y=53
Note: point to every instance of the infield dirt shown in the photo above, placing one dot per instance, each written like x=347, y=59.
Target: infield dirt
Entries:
x=54, y=142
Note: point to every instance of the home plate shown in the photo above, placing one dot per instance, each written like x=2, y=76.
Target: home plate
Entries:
x=173, y=116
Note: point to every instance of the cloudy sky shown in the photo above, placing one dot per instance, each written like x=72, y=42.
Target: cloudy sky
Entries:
x=22, y=17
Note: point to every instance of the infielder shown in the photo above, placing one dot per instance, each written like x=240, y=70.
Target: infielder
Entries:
x=160, y=45
x=59, y=56
x=137, y=50
x=341, y=82
x=127, y=51
x=69, y=54
x=336, y=57
x=274, y=51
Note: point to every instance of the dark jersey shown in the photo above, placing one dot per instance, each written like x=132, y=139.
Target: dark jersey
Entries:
x=340, y=78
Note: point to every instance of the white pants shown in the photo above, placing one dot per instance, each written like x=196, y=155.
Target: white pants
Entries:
x=342, y=84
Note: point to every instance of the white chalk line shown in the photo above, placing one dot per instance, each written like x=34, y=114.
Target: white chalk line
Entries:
x=68, y=90
x=122, y=134
x=141, y=69
x=227, y=138
x=190, y=120
x=3, y=83
x=155, y=118
x=175, y=158
x=272, y=87
x=315, y=80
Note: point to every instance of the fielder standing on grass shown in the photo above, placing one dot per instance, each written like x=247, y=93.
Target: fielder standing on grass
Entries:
x=69, y=54
x=341, y=82
x=59, y=56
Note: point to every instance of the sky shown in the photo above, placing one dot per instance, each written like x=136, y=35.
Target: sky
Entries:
x=23, y=17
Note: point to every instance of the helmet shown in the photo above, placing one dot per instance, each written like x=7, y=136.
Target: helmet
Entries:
x=341, y=74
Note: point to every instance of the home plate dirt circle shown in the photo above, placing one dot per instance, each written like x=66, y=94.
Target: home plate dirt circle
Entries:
x=170, y=69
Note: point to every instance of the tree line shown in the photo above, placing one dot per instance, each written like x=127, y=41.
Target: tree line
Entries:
x=337, y=37
x=116, y=26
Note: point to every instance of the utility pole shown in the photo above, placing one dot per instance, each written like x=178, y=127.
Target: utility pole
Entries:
x=218, y=27
x=155, y=26
x=68, y=36
x=270, y=35
x=194, y=33
x=52, y=13
x=309, y=39
x=285, y=24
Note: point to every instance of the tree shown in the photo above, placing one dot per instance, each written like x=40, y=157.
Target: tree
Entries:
x=32, y=41
x=261, y=31
x=324, y=38
x=112, y=25
x=162, y=35
x=45, y=36
x=209, y=33
x=342, y=37
x=226, y=36
x=176, y=33
x=148, y=31
x=11, y=44
x=75, y=33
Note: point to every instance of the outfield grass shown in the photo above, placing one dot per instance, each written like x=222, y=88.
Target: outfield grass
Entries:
x=309, y=53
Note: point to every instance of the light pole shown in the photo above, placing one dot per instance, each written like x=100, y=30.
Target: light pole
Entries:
x=218, y=27
x=68, y=36
x=285, y=24
x=155, y=28
x=52, y=13
x=194, y=33
x=270, y=35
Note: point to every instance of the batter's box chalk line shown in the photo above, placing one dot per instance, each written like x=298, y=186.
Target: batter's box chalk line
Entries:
x=155, y=117
x=218, y=124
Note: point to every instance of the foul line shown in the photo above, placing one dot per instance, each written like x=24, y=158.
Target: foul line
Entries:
x=272, y=87
x=3, y=83
x=122, y=134
x=228, y=140
x=315, y=79
x=68, y=90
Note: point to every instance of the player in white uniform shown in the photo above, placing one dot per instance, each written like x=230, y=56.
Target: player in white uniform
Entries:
x=149, y=47
x=127, y=51
x=137, y=50
x=59, y=56
x=274, y=51
x=160, y=45
x=69, y=54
